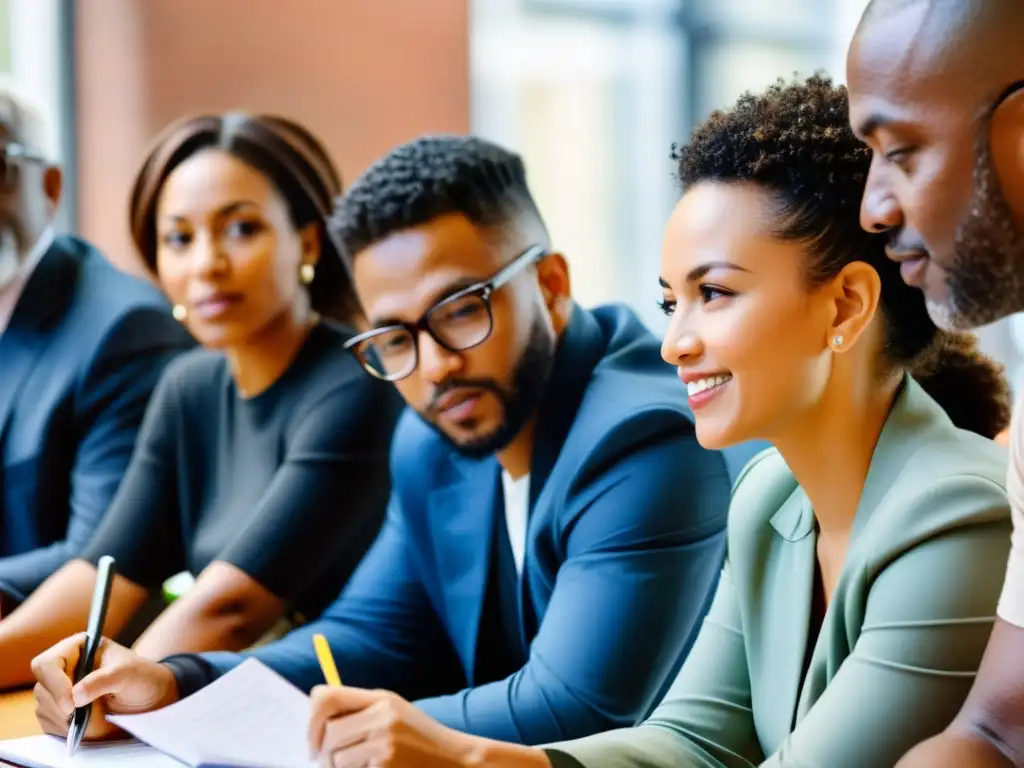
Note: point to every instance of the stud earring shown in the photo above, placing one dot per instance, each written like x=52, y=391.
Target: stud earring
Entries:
x=179, y=313
x=306, y=273
x=837, y=341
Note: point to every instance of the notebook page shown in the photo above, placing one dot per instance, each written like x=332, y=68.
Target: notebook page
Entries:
x=250, y=717
x=51, y=752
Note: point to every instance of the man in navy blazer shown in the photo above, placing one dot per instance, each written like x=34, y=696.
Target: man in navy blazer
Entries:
x=81, y=348
x=555, y=530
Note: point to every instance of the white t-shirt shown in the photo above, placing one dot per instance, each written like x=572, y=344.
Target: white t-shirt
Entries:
x=517, y=511
x=1011, y=603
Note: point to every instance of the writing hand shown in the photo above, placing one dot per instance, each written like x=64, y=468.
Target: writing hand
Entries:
x=355, y=728
x=122, y=682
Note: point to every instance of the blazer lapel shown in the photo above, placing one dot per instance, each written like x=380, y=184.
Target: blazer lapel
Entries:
x=792, y=573
x=465, y=513
x=580, y=349
x=911, y=411
x=43, y=301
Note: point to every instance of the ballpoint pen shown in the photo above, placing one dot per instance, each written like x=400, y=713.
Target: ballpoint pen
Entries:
x=79, y=719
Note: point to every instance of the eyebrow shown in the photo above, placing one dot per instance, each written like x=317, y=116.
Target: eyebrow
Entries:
x=872, y=123
x=440, y=295
x=698, y=272
x=225, y=210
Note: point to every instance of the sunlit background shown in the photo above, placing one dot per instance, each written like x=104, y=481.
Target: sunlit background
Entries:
x=593, y=93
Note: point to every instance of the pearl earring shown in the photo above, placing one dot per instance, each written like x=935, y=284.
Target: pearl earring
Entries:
x=179, y=313
x=837, y=341
x=306, y=273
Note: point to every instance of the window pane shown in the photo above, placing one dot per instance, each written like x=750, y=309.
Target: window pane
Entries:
x=594, y=107
x=727, y=69
x=5, y=36
x=759, y=13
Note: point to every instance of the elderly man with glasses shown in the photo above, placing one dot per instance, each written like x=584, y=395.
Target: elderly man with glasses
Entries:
x=555, y=530
x=81, y=348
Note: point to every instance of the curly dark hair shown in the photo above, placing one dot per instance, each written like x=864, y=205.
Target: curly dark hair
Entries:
x=430, y=177
x=795, y=140
x=288, y=154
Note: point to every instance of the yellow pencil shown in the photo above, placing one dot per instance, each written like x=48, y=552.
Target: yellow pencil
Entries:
x=323, y=655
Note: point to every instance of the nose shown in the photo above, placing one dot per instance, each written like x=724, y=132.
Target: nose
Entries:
x=681, y=346
x=436, y=363
x=879, y=209
x=207, y=258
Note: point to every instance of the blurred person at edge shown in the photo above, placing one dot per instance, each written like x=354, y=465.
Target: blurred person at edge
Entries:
x=82, y=346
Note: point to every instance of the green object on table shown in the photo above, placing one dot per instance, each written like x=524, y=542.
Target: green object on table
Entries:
x=177, y=585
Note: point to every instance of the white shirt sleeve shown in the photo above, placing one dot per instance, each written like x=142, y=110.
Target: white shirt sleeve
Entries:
x=1011, y=602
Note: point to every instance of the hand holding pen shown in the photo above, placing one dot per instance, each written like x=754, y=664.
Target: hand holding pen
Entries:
x=74, y=694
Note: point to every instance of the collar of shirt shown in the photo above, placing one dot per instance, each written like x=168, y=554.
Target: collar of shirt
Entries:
x=9, y=295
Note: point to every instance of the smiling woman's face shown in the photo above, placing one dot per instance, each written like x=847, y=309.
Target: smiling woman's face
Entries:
x=749, y=333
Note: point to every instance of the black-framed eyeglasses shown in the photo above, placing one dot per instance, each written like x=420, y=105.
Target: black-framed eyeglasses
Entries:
x=10, y=155
x=457, y=323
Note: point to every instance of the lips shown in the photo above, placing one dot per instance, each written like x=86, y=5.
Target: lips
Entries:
x=454, y=397
x=912, y=265
x=213, y=306
x=912, y=271
x=457, y=404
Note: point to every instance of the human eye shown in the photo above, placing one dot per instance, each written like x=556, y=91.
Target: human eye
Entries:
x=710, y=293
x=667, y=306
x=900, y=155
x=175, y=239
x=461, y=310
x=243, y=229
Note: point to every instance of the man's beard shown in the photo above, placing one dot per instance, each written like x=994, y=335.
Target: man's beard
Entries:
x=518, y=403
x=985, y=279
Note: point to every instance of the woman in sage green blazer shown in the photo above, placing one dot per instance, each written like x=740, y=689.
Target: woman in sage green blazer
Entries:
x=867, y=549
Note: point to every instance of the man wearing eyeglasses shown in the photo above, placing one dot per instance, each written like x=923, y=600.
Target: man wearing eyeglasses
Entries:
x=937, y=92
x=81, y=348
x=555, y=530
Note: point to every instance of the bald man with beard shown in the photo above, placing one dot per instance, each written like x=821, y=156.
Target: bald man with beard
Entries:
x=937, y=92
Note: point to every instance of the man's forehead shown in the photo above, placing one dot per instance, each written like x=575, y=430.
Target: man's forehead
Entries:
x=19, y=123
x=401, y=276
x=924, y=53
x=893, y=86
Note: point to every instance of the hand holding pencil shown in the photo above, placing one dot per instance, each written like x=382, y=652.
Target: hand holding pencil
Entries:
x=352, y=726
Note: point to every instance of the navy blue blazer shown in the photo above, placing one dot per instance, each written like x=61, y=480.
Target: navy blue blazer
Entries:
x=79, y=359
x=624, y=545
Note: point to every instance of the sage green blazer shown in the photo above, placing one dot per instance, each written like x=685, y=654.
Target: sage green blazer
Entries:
x=901, y=640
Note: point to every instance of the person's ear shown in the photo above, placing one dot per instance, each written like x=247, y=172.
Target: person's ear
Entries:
x=855, y=293
x=53, y=187
x=310, y=239
x=555, y=287
x=1006, y=142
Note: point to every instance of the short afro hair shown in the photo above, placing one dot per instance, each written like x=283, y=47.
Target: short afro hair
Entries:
x=427, y=178
x=795, y=142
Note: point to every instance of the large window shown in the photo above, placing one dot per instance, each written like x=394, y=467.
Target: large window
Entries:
x=36, y=59
x=594, y=93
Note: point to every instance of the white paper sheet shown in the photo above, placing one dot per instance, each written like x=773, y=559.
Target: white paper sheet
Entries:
x=250, y=717
x=51, y=752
